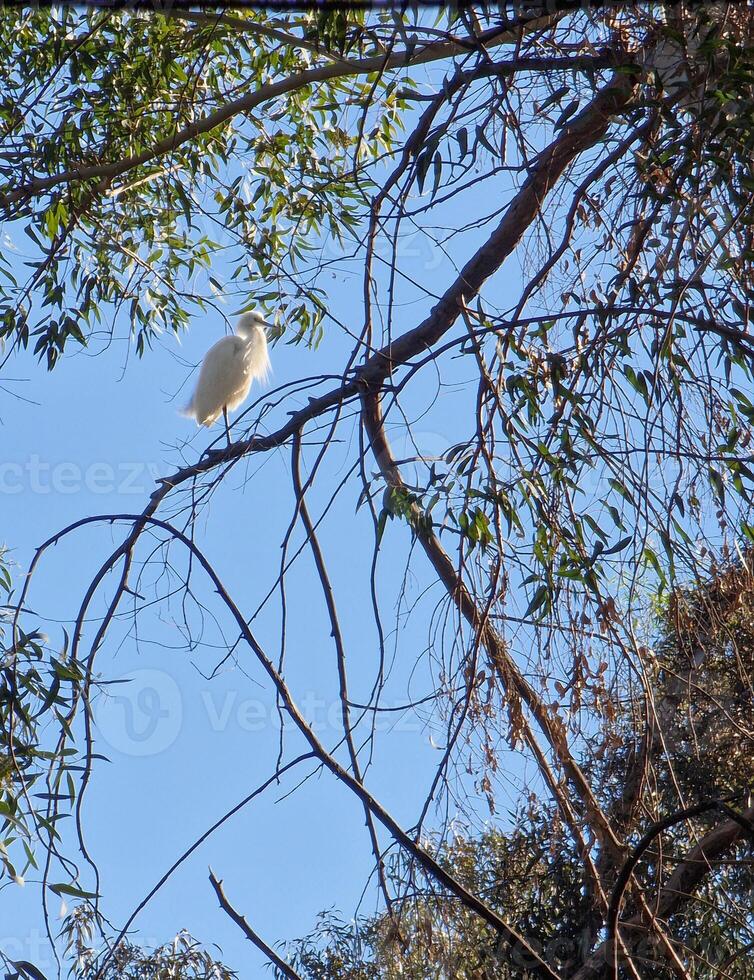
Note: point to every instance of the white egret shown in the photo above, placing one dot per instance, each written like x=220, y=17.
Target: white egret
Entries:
x=228, y=370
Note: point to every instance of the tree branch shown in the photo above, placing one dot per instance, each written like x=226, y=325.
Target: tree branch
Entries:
x=250, y=934
x=589, y=127
x=515, y=683
x=583, y=132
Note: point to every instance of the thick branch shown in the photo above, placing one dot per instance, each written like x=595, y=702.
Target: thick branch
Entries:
x=515, y=682
x=585, y=131
x=589, y=127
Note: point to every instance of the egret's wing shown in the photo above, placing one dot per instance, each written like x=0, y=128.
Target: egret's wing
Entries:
x=255, y=366
x=221, y=373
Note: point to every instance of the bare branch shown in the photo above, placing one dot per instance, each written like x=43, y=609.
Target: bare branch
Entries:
x=250, y=934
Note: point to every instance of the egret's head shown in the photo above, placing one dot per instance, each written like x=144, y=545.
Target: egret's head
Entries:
x=248, y=322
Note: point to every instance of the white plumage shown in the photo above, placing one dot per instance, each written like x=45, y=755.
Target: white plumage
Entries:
x=228, y=370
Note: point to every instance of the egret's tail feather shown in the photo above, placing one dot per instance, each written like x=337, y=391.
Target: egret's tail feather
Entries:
x=188, y=411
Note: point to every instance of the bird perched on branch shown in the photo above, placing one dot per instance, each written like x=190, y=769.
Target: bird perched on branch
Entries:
x=228, y=370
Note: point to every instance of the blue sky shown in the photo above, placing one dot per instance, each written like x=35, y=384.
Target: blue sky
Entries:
x=90, y=438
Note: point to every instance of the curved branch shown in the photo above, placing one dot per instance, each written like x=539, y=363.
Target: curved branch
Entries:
x=584, y=132
x=340, y=653
x=678, y=889
x=508, y=933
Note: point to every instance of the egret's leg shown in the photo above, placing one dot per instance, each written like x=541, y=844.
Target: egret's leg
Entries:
x=227, y=426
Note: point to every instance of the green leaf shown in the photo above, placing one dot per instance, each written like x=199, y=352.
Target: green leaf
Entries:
x=540, y=599
x=61, y=888
x=437, y=172
x=381, y=522
x=623, y=543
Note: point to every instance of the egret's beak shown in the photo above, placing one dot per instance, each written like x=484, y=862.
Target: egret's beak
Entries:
x=268, y=326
